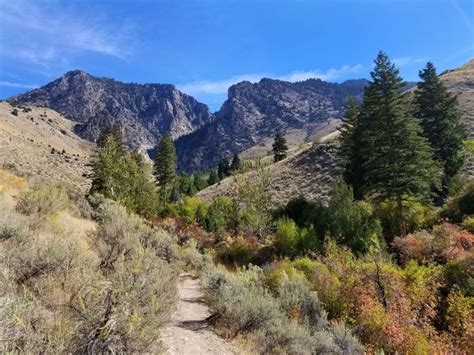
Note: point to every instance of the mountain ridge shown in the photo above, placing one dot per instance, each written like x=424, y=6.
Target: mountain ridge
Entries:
x=252, y=112
x=145, y=111
x=255, y=111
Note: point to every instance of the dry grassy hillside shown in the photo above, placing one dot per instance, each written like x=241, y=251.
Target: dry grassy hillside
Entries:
x=309, y=173
x=461, y=83
x=40, y=142
x=294, y=139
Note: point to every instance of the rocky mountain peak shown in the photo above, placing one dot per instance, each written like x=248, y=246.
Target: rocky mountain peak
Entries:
x=145, y=111
x=255, y=111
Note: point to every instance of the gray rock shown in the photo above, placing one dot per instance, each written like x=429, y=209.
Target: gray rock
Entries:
x=256, y=111
x=145, y=112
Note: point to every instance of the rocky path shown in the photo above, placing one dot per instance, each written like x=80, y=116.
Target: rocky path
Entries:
x=189, y=331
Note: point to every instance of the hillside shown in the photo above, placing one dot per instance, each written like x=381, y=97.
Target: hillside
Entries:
x=310, y=172
x=461, y=83
x=146, y=112
x=40, y=142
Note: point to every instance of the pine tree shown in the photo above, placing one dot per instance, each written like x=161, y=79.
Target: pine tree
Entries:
x=213, y=178
x=223, y=168
x=236, y=164
x=185, y=185
x=349, y=147
x=124, y=177
x=106, y=168
x=440, y=119
x=165, y=163
x=110, y=129
x=279, y=147
x=199, y=182
x=398, y=161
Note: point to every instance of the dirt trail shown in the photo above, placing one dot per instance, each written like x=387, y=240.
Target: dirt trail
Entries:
x=189, y=331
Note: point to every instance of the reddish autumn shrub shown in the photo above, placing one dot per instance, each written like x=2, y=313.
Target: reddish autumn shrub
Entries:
x=445, y=242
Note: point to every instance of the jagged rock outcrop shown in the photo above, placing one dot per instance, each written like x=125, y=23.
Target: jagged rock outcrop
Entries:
x=254, y=111
x=145, y=112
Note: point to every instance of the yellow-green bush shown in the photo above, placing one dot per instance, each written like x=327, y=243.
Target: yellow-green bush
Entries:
x=292, y=240
x=192, y=209
x=42, y=199
x=221, y=215
x=416, y=216
x=468, y=223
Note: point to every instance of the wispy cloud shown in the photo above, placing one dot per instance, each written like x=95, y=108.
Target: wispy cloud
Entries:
x=45, y=33
x=221, y=86
x=18, y=85
x=404, y=61
x=464, y=16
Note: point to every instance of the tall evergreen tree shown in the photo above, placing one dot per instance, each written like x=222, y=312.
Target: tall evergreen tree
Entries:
x=106, y=168
x=279, y=147
x=165, y=163
x=223, y=168
x=123, y=177
x=213, y=178
x=440, y=119
x=110, y=129
x=398, y=161
x=350, y=147
x=199, y=182
x=236, y=163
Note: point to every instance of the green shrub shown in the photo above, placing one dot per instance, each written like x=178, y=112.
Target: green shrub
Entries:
x=468, y=223
x=458, y=273
x=221, y=215
x=306, y=213
x=254, y=195
x=352, y=223
x=349, y=222
x=292, y=240
x=192, y=209
x=460, y=206
x=416, y=215
x=287, y=234
x=305, y=265
x=43, y=199
x=466, y=200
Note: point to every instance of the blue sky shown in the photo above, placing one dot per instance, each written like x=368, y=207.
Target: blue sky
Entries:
x=205, y=46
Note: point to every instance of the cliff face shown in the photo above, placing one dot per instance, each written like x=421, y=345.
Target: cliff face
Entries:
x=145, y=112
x=256, y=111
